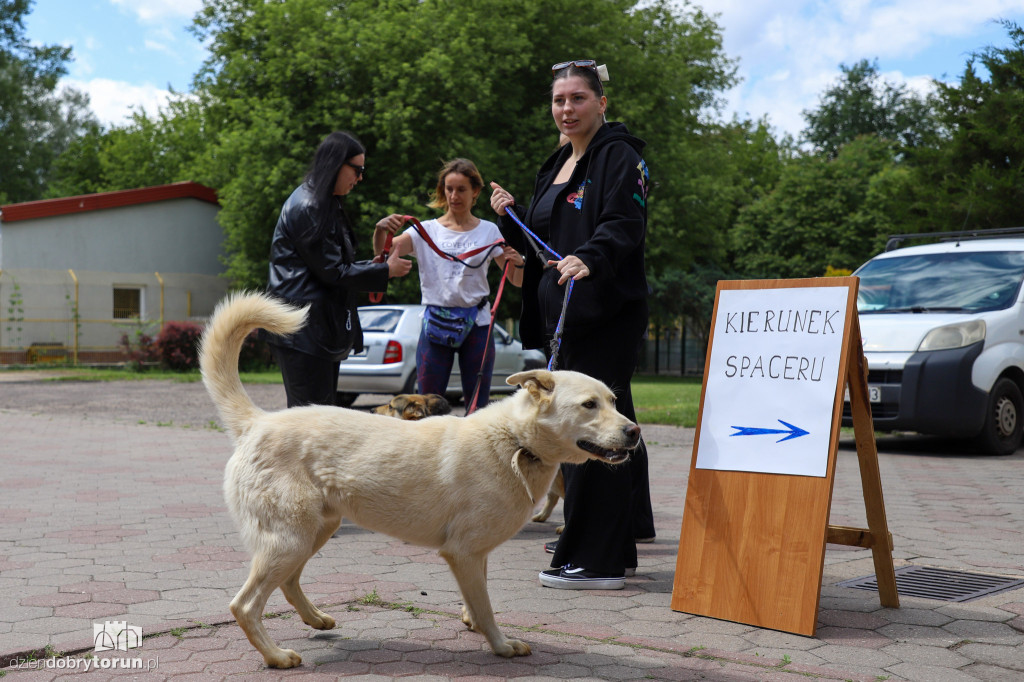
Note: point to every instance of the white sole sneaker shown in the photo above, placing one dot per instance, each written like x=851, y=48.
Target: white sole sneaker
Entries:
x=569, y=578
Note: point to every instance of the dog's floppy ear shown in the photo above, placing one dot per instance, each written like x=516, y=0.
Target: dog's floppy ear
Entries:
x=437, y=405
x=536, y=381
x=399, y=403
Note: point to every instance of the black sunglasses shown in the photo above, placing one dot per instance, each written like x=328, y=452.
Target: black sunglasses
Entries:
x=360, y=170
x=581, y=63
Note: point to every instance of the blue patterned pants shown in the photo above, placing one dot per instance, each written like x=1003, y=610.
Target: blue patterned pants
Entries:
x=434, y=364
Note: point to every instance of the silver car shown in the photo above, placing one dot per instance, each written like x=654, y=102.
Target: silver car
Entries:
x=387, y=363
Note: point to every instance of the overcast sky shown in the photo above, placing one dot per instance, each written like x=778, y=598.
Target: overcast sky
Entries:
x=129, y=53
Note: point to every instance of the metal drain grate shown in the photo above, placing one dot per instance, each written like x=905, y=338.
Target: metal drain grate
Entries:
x=940, y=583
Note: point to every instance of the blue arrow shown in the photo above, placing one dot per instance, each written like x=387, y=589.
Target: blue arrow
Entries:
x=793, y=431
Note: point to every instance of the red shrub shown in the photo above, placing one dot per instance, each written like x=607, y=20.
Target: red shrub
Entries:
x=178, y=345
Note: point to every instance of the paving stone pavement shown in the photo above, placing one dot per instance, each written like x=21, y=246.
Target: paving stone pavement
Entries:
x=108, y=517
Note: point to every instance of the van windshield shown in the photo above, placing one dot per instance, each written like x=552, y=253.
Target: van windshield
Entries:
x=941, y=282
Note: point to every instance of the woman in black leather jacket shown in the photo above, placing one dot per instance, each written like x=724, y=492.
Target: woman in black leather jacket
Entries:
x=312, y=262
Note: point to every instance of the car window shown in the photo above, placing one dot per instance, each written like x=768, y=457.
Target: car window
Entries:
x=941, y=282
x=379, y=319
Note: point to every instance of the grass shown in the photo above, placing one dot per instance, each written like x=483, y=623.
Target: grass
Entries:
x=669, y=400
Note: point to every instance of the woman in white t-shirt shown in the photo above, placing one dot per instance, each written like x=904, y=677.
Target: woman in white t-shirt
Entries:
x=457, y=295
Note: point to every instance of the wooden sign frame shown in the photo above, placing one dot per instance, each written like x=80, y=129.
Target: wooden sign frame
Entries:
x=752, y=545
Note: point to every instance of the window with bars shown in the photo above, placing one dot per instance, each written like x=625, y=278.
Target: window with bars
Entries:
x=127, y=303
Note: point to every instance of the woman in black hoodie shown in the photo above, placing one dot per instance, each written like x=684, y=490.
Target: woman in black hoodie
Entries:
x=589, y=205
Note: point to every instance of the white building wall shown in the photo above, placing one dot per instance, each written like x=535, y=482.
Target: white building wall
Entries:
x=176, y=235
x=171, y=250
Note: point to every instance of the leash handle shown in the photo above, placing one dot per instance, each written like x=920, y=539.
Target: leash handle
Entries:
x=378, y=296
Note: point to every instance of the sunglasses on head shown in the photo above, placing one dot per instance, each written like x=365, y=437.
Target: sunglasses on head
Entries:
x=360, y=170
x=581, y=63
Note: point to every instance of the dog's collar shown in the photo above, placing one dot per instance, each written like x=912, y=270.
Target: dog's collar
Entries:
x=526, y=453
x=521, y=453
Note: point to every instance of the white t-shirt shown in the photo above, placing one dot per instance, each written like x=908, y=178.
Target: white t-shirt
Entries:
x=449, y=283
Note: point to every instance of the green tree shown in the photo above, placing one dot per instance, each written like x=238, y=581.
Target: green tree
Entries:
x=976, y=179
x=862, y=103
x=282, y=75
x=37, y=122
x=729, y=167
x=823, y=212
x=148, y=150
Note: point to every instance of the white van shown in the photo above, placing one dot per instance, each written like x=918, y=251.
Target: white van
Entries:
x=943, y=331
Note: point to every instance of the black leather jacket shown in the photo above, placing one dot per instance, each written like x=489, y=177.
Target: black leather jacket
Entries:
x=312, y=261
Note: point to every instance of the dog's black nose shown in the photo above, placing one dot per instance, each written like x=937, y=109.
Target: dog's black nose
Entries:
x=632, y=432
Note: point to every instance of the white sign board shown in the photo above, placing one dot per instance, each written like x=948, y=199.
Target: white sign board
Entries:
x=771, y=380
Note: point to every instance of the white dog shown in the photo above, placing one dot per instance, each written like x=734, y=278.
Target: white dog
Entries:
x=463, y=485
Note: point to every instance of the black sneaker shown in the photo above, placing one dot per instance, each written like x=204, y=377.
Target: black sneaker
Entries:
x=573, y=578
x=549, y=547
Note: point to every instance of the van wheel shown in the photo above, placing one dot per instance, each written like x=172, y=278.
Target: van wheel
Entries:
x=1004, y=420
x=345, y=399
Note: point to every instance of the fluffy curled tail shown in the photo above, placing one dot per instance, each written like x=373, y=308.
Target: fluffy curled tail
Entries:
x=235, y=317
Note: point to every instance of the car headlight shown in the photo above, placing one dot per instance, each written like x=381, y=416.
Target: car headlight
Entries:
x=954, y=336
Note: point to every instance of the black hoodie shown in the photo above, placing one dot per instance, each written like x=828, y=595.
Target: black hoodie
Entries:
x=600, y=216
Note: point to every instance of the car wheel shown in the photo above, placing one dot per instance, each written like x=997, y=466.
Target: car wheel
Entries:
x=344, y=399
x=1004, y=419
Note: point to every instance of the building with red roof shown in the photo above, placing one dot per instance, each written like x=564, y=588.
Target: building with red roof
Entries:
x=79, y=273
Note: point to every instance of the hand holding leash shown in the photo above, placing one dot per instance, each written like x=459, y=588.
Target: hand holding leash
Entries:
x=570, y=267
x=500, y=199
x=383, y=233
x=398, y=266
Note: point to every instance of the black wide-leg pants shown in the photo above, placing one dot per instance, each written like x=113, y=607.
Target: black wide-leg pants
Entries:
x=606, y=506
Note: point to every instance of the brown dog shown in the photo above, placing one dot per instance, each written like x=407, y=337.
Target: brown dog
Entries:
x=462, y=485
x=413, y=406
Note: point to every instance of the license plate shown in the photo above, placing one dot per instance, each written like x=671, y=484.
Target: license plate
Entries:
x=874, y=394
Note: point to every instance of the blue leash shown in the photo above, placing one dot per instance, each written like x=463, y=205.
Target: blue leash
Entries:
x=556, y=342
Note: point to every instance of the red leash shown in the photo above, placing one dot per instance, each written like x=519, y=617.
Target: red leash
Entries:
x=471, y=405
x=378, y=296
x=444, y=254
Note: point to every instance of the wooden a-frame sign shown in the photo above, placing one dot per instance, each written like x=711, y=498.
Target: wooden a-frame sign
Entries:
x=755, y=522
